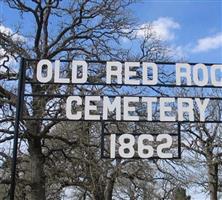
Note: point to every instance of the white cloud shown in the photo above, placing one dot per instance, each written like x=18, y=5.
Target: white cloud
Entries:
x=10, y=62
x=208, y=43
x=9, y=32
x=4, y=57
x=178, y=52
x=163, y=28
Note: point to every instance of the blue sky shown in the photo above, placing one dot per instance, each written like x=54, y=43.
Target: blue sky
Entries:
x=193, y=29
x=196, y=26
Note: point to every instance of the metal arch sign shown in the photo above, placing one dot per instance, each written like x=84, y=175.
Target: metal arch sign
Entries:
x=124, y=108
x=116, y=109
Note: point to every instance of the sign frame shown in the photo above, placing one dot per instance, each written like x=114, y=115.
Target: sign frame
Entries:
x=20, y=102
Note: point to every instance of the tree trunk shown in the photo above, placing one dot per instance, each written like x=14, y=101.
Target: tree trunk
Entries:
x=213, y=180
x=180, y=194
x=109, y=189
x=37, y=169
x=131, y=194
x=99, y=190
x=98, y=195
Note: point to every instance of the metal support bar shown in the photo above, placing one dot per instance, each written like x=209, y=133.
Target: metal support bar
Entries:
x=19, y=105
x=113, y=96
x=113, y=120
x=102, y=139
x=166, y=85
x=122, y=61
x=179, y=140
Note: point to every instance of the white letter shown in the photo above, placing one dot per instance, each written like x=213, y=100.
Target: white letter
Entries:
x=74, y=67
x=185, y=109
x=204, y=76
x=202, y=107
x=88, y=107
x=127, y=108
x=40, y=77
x=57, y=79
x=149, y=101
x=180, y=74
x=145, y=150
x=166, y=145
x=69, y=113
x=126, y=142
x=110, y=72
x=130, y=73
x=115, y=105
x=112, y=145
x=214, y=68
x=154, y=68
x=164, y=108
